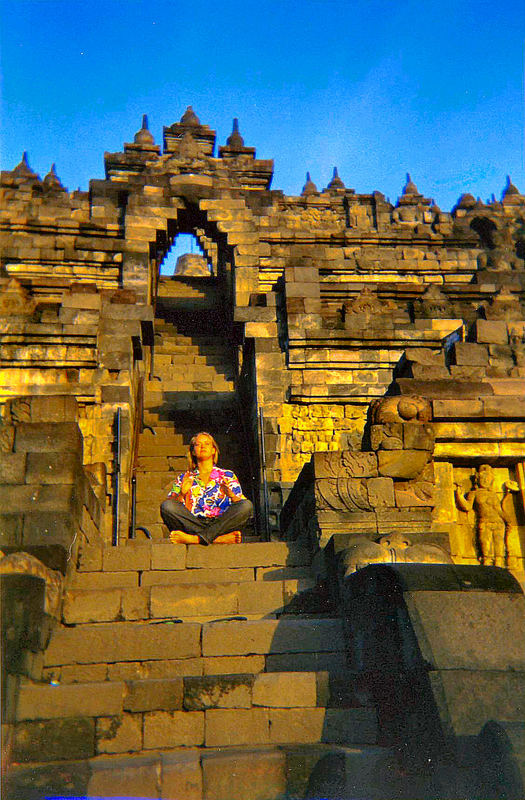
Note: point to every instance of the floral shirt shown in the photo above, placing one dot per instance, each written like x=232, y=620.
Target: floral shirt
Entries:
x=208, y=501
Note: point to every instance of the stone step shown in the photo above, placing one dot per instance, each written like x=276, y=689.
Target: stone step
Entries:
x=166, y=556
x=111, y=642
x=199, y=711
x=188, y=398
x=185, y=601
x=313, y=771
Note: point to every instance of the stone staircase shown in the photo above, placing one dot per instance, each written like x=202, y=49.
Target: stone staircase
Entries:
x=195, y=673
x=192, y=389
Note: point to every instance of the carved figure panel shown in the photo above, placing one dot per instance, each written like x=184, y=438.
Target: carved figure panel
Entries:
x=493, y=505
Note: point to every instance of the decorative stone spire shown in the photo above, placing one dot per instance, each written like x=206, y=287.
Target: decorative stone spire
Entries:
x=51, y=180
x=336, y=182
x=309, y=187
x=235, y=140
x=510, y=188
x=189, y=117
x=410, y=187
x=144, y=136
x=466, y=201
x=511, y=194
x=23, y=169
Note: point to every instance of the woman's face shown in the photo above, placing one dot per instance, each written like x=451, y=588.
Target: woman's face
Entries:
x=203, y=447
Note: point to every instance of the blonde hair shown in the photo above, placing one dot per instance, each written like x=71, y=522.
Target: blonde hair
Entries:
x=192, y=461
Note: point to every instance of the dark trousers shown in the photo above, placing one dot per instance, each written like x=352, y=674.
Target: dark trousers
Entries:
x=177, y=517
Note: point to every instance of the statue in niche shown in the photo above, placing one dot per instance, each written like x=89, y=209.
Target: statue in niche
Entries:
x=491, y=522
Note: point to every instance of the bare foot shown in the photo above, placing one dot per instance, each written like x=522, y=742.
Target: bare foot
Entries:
x=180, y=537
x=235, y=537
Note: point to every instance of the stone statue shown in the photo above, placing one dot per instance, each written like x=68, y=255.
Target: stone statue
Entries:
x=490, y=521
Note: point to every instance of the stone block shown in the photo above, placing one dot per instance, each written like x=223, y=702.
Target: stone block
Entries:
x=92, y=644
x=418, y=437
x=247, y=774
x=161, y=577
x=11, y=527
x=91, y=606
x=256, y=554
x=161, y=669
x=306, y=662
x=236, y=726
x=225, y=691
x=87, y=581
x=469, y=354
x=257, y=599
x=226, y=665
x=192, y=600
x=73, y=700
x=12, y=468
x=285, y=689
x=48, y=437
x=271, y=636
x=83, y=673
x=468, y=699
x=52, y=468
x=443, y=620
x=330, y=725
x=123, y=558
x=281, y=573
x=61, y=408
x=132, y=776
x=135, y=603
x=380, y=492
x=166, y=729
x=405, y=464
x=153, y=695
x=168, y=556
x=181, y=776
x=90, y=558
x=387, y=436
x=54, y=740
x=121, y=734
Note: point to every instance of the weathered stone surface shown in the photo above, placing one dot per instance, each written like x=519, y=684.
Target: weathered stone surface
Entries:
x=258, y=554
x=285, y=690
x=54, y=740
x=121, y=734
x=236, y=726
x=123, y=777
x=226, y=691
x=190, y=600
x=405, y=464
x=181, y=776
x=73, y=700
x=152, y=695
x=165, y=729
x=250, y=774
x=91, y=644
x=271, y=636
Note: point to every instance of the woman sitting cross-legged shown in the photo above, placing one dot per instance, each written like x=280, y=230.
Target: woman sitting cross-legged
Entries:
x=206, y=504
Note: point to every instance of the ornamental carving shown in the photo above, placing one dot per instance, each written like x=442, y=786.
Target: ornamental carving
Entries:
x=368, y=305
x=505, y=305
x=342, y=494
x=312, y=217
x=19, y=409
x=15, y=301
x=433, y=304
x=402, y=408
x=345, y=464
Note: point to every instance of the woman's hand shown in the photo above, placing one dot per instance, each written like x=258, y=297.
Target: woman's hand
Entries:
x=186, y=484
x=225, y=489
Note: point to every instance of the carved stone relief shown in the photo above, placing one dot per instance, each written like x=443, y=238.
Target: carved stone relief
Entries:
x=492, y=515
x=15, y=301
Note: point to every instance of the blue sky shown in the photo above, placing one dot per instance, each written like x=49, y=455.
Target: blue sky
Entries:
x=374, y=87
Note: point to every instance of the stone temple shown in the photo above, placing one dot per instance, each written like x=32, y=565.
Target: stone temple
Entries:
x=362, y=367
